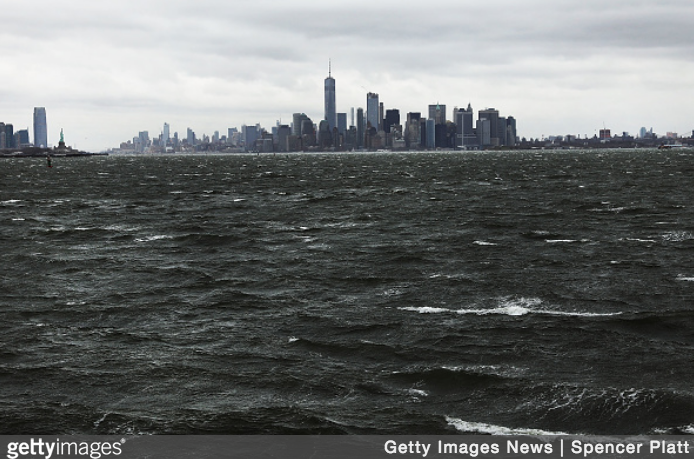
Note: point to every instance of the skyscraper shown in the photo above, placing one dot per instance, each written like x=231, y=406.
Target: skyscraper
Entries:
x=342, y=123
x=373, y=110
x=413, y=130
x=392, y=118
x=511, y=131
x=330, y=110
x=166, y=135
x=143, y=141
x=437, y=113
x=7, y=136
x=297, y=123
x=40, y=127
x=466, y=137
x=251, y=137
x=492, y=115
x=360, y=127
x=431, y=133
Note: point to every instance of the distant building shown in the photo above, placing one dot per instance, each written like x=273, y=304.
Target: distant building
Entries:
x=330, y=111
x=492, y=116
x=40, y=127
x=511, y=133
x=297, y=121
x=308, y=132
x=392, y=118
x=465, y=134
x=325, y=134
x=360, y=127
x=381, y=116
x=605, y=134
x=166, y=135
x=484, y=132
x=251, y=135
x=21, y=138
x=342, y=123
x=431, y=133
x=413, y=130
x=501, y=130
x=7, y=136
x=142, y=141
x=373, y=110
x=437, y=113
x=283, y=134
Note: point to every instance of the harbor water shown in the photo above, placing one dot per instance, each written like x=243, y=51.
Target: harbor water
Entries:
x=379, y=293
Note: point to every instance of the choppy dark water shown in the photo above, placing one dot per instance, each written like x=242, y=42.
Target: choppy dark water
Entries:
x=361, y=293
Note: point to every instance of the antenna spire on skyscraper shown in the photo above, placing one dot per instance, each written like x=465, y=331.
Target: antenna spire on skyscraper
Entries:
x=330, y=68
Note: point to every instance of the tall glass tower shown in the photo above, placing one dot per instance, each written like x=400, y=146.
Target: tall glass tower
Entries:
x=40, y=127
x=372, y=110
x=330, y=110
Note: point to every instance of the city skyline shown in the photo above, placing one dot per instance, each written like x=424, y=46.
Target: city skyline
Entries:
x=570, y=68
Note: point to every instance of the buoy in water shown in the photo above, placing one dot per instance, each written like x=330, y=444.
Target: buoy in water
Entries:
x=48, y=160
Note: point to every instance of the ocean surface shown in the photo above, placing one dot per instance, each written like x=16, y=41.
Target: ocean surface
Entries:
x=417, y=293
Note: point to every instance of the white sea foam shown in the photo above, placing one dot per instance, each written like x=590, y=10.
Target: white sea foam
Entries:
x=506, y=310
x=293, y=339
x=680, y=277
x=498, y=370
x=484, y=243
x=153, y=238
x=490, y=429
x=426, y=310
x=678, y=236
x=521, y=311
x=509, y=307
x=100, y=420
x=418, y=392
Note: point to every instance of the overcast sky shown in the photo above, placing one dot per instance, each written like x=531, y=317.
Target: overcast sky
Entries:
x=107, y=70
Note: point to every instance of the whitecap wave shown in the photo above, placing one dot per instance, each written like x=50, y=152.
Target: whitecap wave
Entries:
x=508, y=310
x=426, y=310
x=153, y=238
x=634, y=239
x=418, y=392
x=490, y=429
x=678, y=236
x=509, y=307
x=522, y=311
